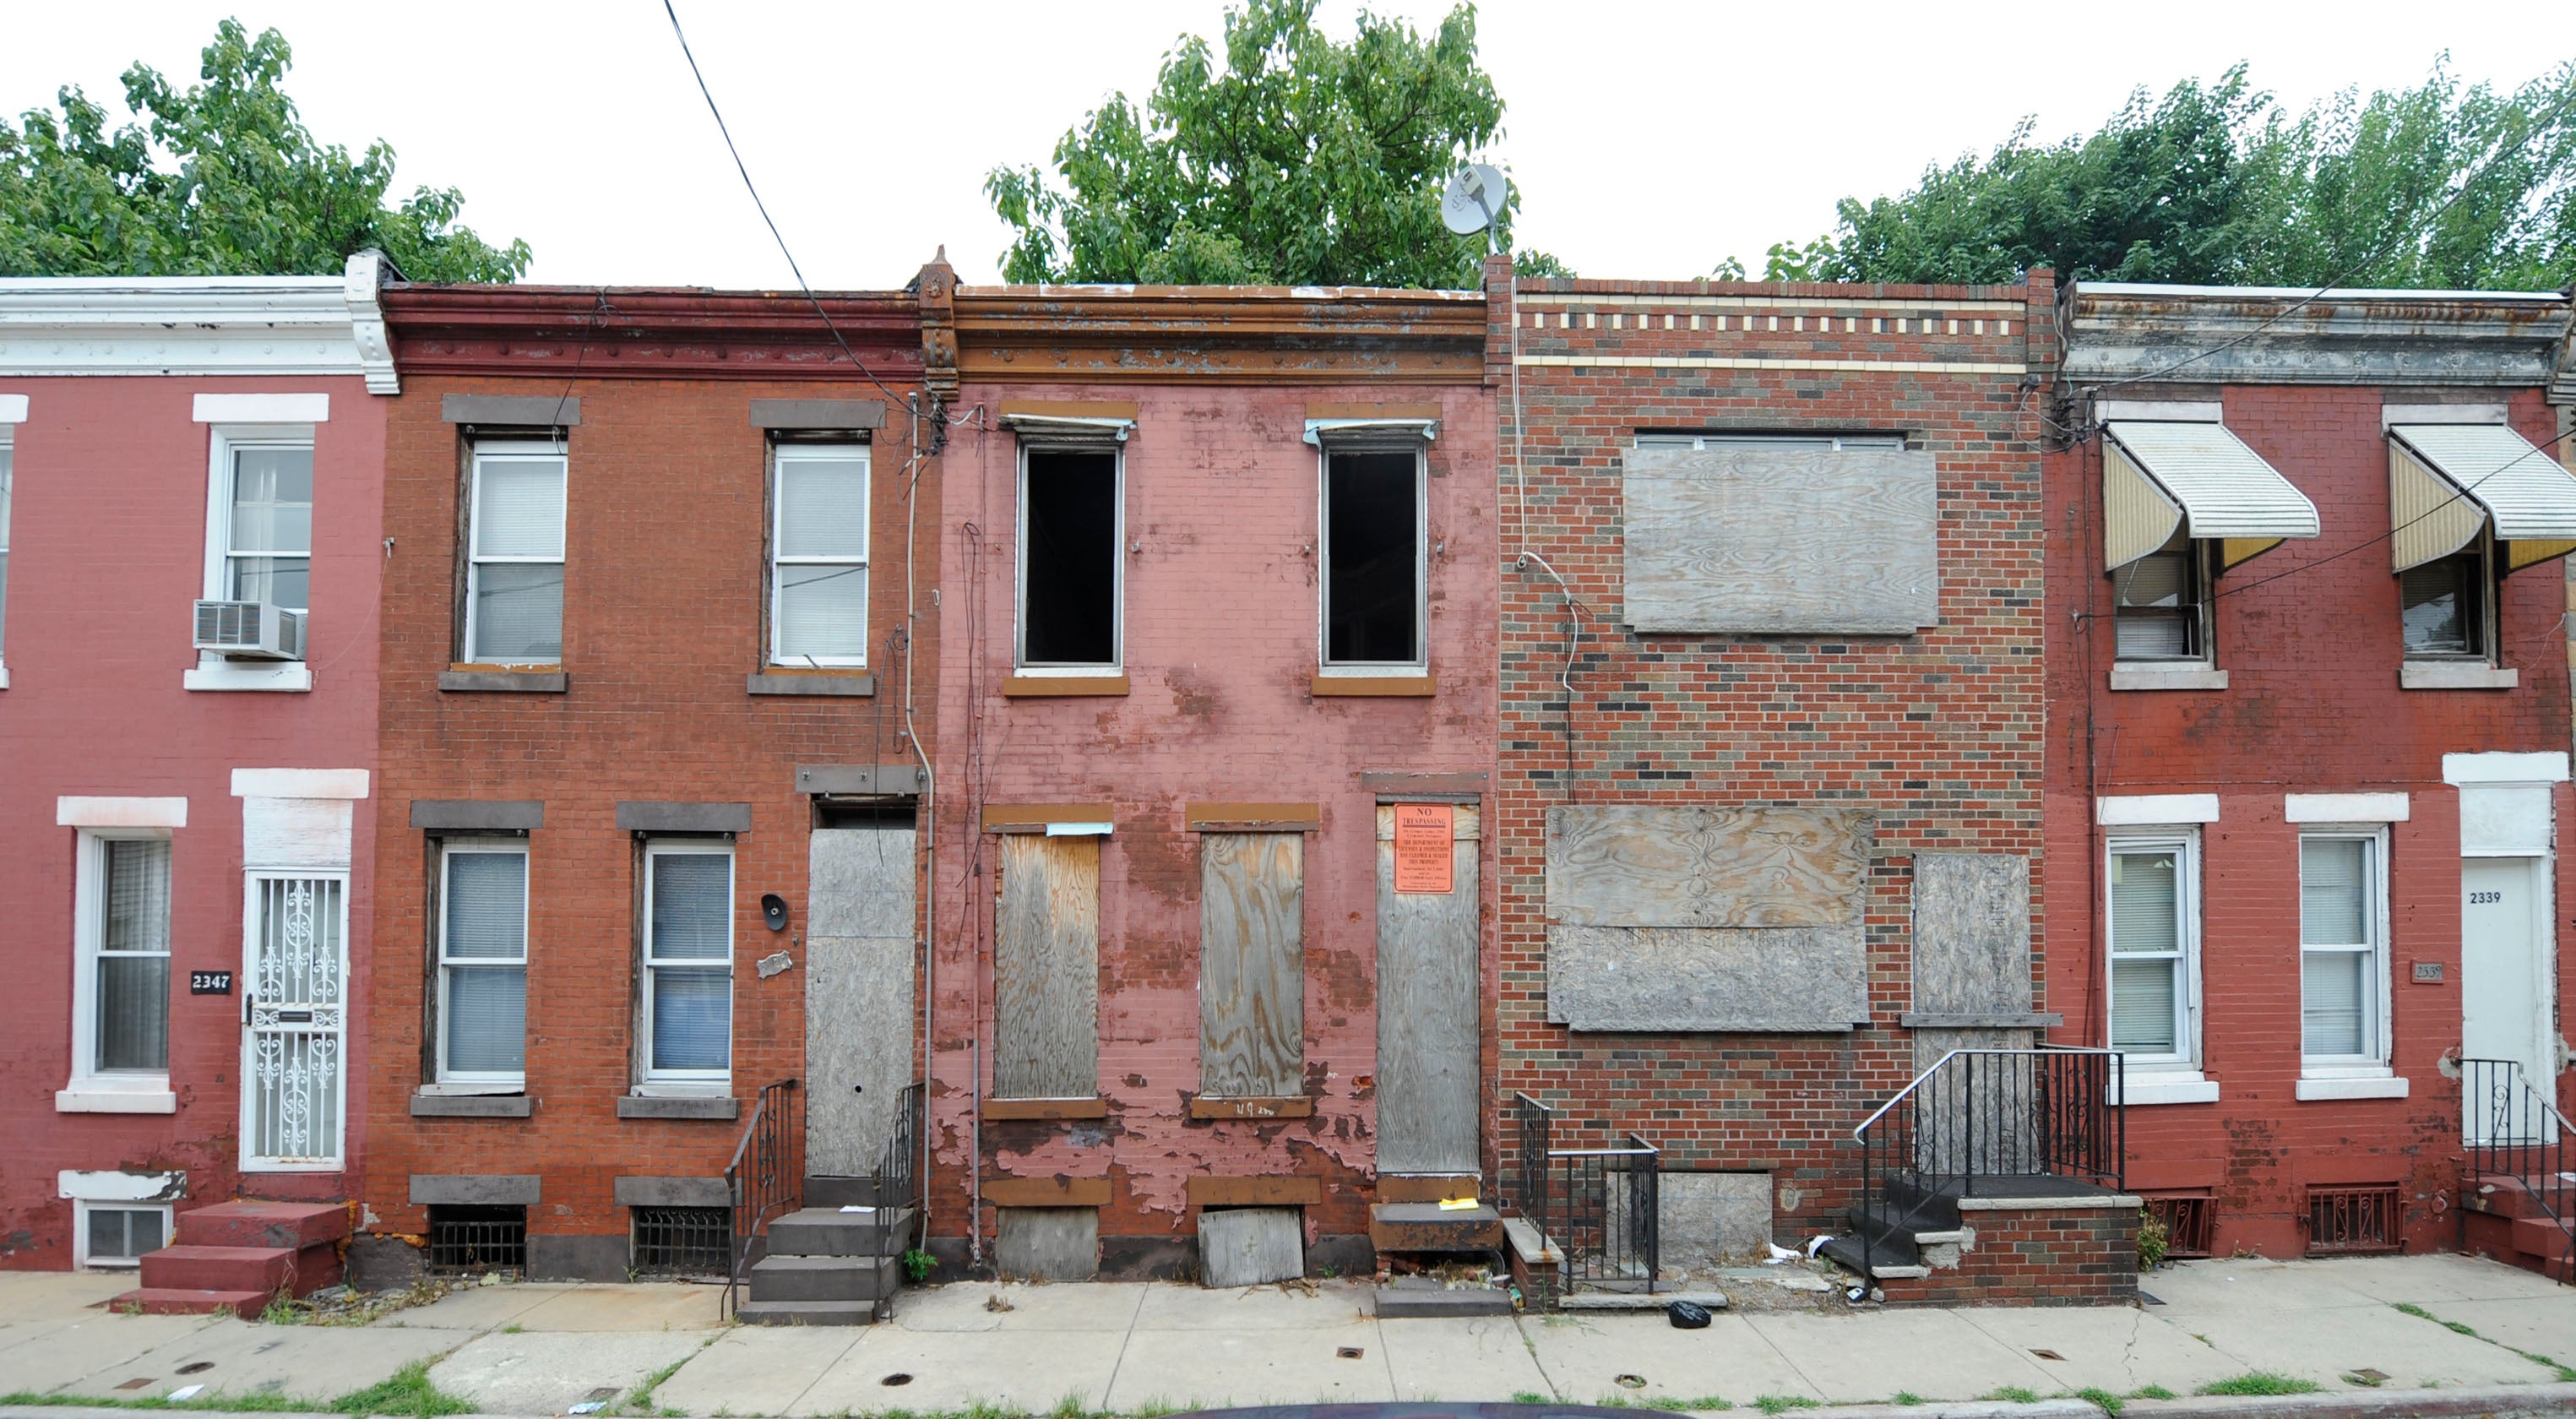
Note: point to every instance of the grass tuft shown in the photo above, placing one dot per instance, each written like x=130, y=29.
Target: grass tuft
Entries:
x=2101, y=1399
x=1675, y=1404
x=1780, y=1403
x=408, y=1393
x=1529, y=1396
x=2152, y=1392
x=1907, y=1397
x=2260, y=1383
x=2013, y=1394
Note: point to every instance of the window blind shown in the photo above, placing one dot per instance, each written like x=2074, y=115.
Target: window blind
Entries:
x=2142, y=1006
x=692, y=906
x=692, y=1019
x=2331, y=1002
x=823, y=507
x=692, y=922
x=822, y=611
x=2333, y=885
x=487, y=1005
x=518, y=611
x=487, y=905
x=2144, y=903
x=519, y=508
x=487, y=1013
x=133, y=1026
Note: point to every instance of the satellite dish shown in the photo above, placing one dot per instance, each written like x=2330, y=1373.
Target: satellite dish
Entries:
x=1474, y=201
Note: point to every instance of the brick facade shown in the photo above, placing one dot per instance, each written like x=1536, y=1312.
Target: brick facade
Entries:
x=2010, y=1255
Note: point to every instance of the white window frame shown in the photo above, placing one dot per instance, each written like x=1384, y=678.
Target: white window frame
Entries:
x=682, y=847
x=455, y=1081
x=1420, y=664
x=1117, y=662
x=782, y=454
x=2375, y=1062
x=124, y=1090
x=8, y=513
x=82, y=1207
x=514, y=449
x=2184, y=842
x=2484, y=614
x=225, y=442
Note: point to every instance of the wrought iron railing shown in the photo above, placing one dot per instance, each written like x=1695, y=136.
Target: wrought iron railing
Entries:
x=1979, y=1116
x=1600, y=1206
x=2510, y=1129
x=764, y=1178
x=897, y=1187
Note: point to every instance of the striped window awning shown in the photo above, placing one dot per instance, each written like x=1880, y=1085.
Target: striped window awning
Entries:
x=2161, y=477
x=2448, y=482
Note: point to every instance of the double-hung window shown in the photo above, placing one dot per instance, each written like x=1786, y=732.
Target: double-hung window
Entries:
x=122, y=1031
x=688, y=961
x=818, y=574
x=1072, y=578
x=2154, y=922
x=483, y=962
x=2343, y=958
x=1375, y=557
x=264, y=508
x=514, y=576
x=2160, y=604
x=2447, y=604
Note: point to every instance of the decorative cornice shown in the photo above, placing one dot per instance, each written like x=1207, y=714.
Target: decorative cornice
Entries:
x=1220, y=334
x=626, y=332
x=197, y=325
x=2248, y=335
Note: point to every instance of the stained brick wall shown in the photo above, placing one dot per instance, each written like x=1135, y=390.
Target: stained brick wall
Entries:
x=2309, y=636
x=2034, y=1256
x=664, y=587
x=1938, y=731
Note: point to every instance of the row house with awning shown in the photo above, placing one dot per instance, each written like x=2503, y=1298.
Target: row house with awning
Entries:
x=2308, y=747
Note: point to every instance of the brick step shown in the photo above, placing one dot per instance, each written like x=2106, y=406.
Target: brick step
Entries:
x=166, y=1301
x=267, y=1270
x=1424, y=1227
x=2539, y=1236
x=828, y=1231
x=262, y=1224
x=807, y=1312
x=823, y=1278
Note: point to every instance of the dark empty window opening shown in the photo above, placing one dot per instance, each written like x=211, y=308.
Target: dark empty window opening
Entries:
x=683, y=1243
x=2444, y=605
x=2161, y=609
x=865, y=811
x=471, y=1240
x=1069, y=558
x=1372, y=559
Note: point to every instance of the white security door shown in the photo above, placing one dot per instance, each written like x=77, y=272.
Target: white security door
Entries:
x=2503, y=1009
x=295, y=1008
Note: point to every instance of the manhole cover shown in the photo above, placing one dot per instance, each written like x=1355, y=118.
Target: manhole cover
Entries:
x=897, y=1378
x=1349, y=1352
x=1631, y=1382
x=2048, y=1354
x=2368, y=1379
x=196, y=1367
x=137, y=1383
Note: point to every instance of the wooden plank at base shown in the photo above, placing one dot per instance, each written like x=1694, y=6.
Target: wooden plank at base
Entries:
x=1046, y=1192
x=1009, y=1109
x=1251, y=1246
x=1417, y=1187
x=1422, y=1226
x=1264, y=1106
x=1256, y=1192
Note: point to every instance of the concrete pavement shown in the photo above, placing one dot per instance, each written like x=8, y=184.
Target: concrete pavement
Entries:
x=2373, y=1327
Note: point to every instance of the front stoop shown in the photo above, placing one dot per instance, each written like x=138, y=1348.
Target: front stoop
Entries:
x=1426, y=1227
x=2017, y=1241
x=2509, y=1219
x=236, y=1256
x=824, y=1266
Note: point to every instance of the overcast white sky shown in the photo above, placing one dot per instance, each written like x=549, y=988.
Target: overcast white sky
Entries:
x=1650, y=140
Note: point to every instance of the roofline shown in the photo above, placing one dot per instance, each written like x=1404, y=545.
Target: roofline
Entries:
x=2330, y=293
x=199, y=325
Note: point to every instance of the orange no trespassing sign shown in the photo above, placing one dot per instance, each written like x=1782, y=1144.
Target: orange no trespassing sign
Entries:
x=1423, y=832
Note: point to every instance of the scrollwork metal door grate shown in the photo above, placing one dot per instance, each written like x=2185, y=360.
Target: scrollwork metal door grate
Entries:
x=294, y=1066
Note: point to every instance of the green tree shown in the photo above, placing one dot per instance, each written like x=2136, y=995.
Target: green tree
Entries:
x=2214, y=184
x=219, y=179
x=1300, y=161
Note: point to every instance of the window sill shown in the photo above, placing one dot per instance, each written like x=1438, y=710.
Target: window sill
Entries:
x=2167, y=677
x=148, y=1095
x=4, y=677
x=2454, y=675
x=426, y=1104
x=1410, y=685
x=680, y=1106
x=2379, y=1087
x=493, y=679
x=2179, y=1086
x=1040, y=687
x=290, y=676
x=1252, y=1106
x=781, y=680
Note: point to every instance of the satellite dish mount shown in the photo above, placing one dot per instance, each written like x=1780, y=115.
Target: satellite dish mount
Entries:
x=1474, y=203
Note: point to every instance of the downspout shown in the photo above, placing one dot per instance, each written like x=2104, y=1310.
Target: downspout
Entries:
x=929, y=789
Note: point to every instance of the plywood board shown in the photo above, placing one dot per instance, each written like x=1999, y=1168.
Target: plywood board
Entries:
x=1252, y=964
x=1635, y=864
x=858, y=962
x=1251, y=1246
x=860, y=882
x=1046, y=969
x=1690, y=979
x=1047, y=1243
x=1427, y=1020
x=1255, y=1192
x=1971, y=933
x=1781, y=540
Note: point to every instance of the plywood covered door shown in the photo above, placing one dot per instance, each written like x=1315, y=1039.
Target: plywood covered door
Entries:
x=858, y=993
x=1252, y=965
x=1046, y=968
x=1428, y=1001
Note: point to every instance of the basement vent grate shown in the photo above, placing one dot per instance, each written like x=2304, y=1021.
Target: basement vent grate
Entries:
x=683, y=1243
x=2344, y=1221
x=2186, y=1218
x=475, y=1240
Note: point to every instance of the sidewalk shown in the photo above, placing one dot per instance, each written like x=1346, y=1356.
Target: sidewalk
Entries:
x=1143, y=1349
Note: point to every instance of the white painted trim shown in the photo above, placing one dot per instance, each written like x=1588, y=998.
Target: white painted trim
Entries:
x=199, y=325
x=87, y=1096
x=299, y=783
x=2143, y=1087
x=2345, y=808
x=1116, y=664
x=1077, y=830
x=2392, y=414
x=2377, y=958
x=2194, y=677
x=1420, y=664
x=263, y=409
x=105, y=1186
x=459, y=1081
x=250, y=1161
x=2549, y=767
x=213, y=672
x=2115, y=1202
x=2455, y=675
x=13, y=408
x=2154, y=810
x=2381, y=1087
x=2170, y=411
x=72, y=812
x=781, y=458
x=650, y=1074
x=81, y=1259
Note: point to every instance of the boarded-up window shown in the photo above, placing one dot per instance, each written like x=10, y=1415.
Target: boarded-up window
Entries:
x=1046, y=969
x=1781, y=539
x=1252, y=977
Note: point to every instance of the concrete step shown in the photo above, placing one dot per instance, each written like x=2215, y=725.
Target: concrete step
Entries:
x=823, y=1190
x=824, y=1278
x=1892, y=1256
x=1402, y=1302
x=828, y=1231
x=263, y=1224
x=167, y=1301
x=264, y=1270
x=1638, y=1300
x=1424, y=1227
x=807, y=1312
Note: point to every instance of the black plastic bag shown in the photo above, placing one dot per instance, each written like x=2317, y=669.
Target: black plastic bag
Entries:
x=1687, y=1315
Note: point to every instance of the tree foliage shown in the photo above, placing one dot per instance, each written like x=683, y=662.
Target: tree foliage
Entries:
x=2215, y=184
x=1298, y=160
x=219, y=179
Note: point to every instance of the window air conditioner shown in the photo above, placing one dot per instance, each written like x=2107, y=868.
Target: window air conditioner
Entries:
x=252, y=629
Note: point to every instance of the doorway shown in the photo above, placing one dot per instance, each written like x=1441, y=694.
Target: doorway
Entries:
x=1429, y=1047
x=2504, y=992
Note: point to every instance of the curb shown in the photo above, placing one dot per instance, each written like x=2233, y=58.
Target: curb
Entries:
x=2544, y=1401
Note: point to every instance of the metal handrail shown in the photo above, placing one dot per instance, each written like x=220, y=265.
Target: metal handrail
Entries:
x=1900, y=1095
x=1567, y=1194
x=2542, y=1164
x=758, y=1190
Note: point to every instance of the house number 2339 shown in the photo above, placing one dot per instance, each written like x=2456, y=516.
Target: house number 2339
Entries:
x=2480, y=899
